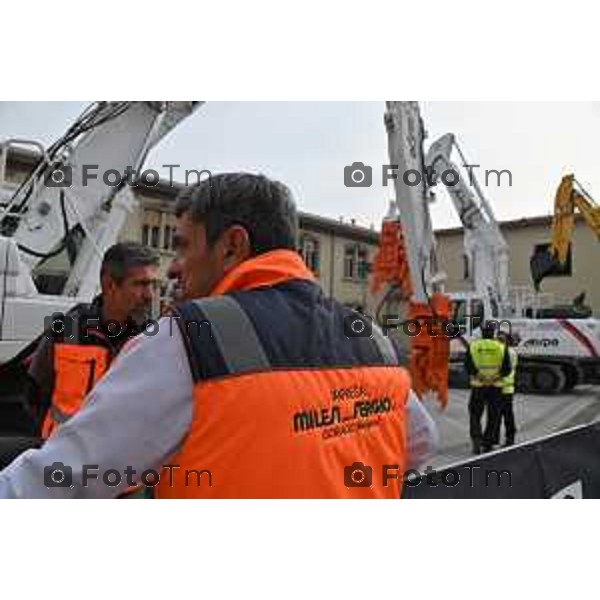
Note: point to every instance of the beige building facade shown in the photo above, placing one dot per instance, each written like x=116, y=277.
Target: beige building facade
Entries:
x=338, y=253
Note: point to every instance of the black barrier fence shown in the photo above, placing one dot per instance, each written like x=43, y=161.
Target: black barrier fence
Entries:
x=561, y=465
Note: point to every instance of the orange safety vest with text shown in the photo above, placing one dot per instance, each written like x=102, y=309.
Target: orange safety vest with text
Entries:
x=285, y=405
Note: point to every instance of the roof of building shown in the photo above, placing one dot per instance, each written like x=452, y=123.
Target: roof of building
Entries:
x=523, y=223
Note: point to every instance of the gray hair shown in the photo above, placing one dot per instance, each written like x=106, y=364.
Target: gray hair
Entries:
x=122, y=257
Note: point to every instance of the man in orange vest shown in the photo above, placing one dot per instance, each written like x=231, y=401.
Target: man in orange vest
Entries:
x=78, y=348
x=256, y=386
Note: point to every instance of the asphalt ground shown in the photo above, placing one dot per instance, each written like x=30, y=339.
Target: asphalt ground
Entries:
x=536, y=416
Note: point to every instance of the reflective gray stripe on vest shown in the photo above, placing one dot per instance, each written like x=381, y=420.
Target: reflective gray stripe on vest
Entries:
x=234, y=334
x=385, y=347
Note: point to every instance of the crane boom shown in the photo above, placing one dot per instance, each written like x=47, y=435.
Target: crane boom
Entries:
x=76, y=200
x=486, y=250
x=82, y=172
x=406, y=262
x=405, y=147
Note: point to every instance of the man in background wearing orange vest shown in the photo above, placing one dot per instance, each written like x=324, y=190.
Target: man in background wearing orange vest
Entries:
x=78, y=348
x=257, y=386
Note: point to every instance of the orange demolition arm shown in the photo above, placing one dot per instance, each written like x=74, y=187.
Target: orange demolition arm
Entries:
x=390, y=267
x=430, y=349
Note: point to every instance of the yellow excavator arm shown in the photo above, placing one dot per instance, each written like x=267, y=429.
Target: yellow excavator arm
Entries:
x=570, y=197
x=590, y=211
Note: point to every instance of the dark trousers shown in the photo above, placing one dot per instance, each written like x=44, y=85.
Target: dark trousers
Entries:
x=484, y=399
x=507, y=415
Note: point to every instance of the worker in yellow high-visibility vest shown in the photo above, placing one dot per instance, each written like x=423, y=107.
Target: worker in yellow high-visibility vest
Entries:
x=507, y=414
x=487, y=362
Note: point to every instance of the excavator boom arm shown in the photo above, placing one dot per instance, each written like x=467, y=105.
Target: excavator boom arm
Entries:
x=589, y=210
x=563, y=220
x=570, y=197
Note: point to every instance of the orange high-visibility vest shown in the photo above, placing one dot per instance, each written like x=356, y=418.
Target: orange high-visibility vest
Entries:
x=284, y=404
x=77, y=368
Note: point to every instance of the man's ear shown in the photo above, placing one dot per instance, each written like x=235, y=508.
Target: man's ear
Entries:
x=236, y=246
x=107, y=284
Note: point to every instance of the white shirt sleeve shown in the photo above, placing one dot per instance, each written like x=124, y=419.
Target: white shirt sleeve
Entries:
x=423, y=437
x=136, y=416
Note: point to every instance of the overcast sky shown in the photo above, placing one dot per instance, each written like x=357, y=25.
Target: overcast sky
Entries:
x=307, y=145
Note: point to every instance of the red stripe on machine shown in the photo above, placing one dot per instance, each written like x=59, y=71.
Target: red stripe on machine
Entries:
x=579, y=336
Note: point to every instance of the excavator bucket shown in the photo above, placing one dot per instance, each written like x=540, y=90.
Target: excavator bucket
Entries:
x=543, y=264
x=556, y=257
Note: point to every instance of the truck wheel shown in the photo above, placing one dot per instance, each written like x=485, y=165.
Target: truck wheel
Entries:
x=524, y=382
x=458, y=378
x=572, y=377
x=549, y=379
